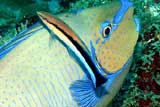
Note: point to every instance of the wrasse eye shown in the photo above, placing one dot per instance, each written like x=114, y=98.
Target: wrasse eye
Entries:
x=106, y=31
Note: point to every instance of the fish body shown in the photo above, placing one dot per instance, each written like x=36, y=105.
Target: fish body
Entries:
x=40, y=71
x=32, y=76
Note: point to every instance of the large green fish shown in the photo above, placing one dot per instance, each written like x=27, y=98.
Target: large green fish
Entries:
x=70, y=60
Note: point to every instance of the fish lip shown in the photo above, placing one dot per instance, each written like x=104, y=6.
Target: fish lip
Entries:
x=111, y=75
x=108, y=74
x=103, y=71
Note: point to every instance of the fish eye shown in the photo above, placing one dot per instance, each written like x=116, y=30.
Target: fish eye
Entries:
x=106, y=31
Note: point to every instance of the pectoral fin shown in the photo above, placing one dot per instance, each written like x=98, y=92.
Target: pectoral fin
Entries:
x=83, y=92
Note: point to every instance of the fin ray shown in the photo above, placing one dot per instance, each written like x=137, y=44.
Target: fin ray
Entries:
x=84, y=93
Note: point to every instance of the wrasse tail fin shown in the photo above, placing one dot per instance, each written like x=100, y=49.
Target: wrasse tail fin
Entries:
x=84, y=93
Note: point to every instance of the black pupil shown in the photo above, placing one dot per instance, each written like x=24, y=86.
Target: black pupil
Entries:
x=107, y=31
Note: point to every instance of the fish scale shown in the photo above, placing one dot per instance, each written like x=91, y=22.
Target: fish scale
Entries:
x=36, y=76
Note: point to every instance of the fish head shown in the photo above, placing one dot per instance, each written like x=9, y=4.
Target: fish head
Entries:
x=113, y=47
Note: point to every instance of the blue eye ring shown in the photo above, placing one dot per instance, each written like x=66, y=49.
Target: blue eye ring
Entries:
x=106, y=29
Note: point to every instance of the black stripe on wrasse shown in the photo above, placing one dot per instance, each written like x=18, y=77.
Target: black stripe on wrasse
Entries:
x=99, y=78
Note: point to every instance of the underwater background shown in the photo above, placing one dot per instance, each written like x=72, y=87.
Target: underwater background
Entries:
x=142, y=85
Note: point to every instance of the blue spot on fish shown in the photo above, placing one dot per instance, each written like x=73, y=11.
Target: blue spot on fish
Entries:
x=105, y=39
x=97, y=40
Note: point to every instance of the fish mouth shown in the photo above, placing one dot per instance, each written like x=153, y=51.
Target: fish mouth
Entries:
x=111, y=75
x=103, y=71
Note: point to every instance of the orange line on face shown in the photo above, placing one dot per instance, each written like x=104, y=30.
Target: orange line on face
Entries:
x=47, y=18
